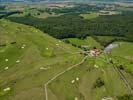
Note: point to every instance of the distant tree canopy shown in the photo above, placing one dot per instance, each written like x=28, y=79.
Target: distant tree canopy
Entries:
x=79, y=8
x=6, y=14
x=2, y=7
x=73, y=25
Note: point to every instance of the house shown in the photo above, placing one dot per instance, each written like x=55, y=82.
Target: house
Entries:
x=95, y=52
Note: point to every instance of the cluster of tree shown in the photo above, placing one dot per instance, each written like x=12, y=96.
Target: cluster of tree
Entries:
x=80, y=8
x=74, y=26
x=9, y=13
x=105, y=42
x=125, y=97
x=2, y=7
x=33, y=11
x=99, y=83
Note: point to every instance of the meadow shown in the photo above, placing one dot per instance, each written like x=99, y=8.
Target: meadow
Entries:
x=29, y=58
x=89, y=16
x=45, y=54
x=89, y=42
x=28, y=63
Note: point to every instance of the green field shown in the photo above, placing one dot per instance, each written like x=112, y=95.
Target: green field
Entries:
x=48, y=51
x=84, y=88
x=26, y=78
x=124, y=54
x=89, y=42
x=89, y=16
x=30, y=58
x=124, y=50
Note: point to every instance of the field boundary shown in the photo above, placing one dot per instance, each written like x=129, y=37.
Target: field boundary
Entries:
x=122, y=76
x=124, y=80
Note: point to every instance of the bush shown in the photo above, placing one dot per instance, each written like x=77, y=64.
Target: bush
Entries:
x=125, y=97
x=99, y=83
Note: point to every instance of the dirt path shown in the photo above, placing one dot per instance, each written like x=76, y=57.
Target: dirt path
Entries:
x=122, y=76
x=59, y=74
x=124, y=79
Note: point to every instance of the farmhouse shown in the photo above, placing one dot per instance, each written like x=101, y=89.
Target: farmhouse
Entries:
x=95, y=52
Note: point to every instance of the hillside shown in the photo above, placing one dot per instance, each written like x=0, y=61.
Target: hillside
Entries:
x=35, y=66
x=28, y=59
x=74, y=25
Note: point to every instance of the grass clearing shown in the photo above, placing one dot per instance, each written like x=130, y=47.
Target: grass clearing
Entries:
x=124, y=50
x=89, y=16
x=89, y=42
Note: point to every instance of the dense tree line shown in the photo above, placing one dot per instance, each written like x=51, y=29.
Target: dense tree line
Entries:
x=79, y=8
x=105, y=42
x=6, y=14
x=2, y=7
x=73, y=25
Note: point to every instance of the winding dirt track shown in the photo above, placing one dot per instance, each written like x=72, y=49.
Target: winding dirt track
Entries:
x=61, y=73
x=82, y=61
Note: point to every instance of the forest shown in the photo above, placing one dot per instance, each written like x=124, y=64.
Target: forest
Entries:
x=75, y=26
x=78, y=8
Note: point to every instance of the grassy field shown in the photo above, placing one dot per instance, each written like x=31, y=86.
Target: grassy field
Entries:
x=89, y=16
x=30, y=61
x=46, y=15
x=89, y=42
x=29, y=58
x=124, y=55
x=124, y=50
x=84, y=88
x=35, y=14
